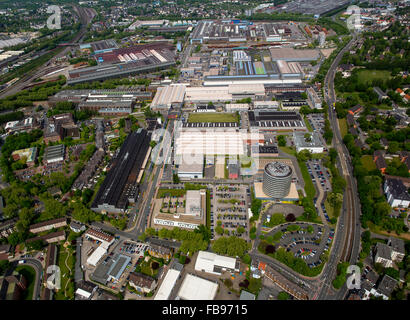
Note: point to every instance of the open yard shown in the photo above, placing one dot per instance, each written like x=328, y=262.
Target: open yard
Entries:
x=213, y=117
x=368, y=163
x=367, y=76
x=343, y=127
x=30, y=274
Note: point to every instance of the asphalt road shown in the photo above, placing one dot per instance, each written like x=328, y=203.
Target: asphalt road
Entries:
x=346, y=230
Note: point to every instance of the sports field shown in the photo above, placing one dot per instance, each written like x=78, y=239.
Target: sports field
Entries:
x=259, y=68
x=212, y=117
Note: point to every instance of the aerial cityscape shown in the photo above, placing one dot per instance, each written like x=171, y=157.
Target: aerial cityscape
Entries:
x=224, y=150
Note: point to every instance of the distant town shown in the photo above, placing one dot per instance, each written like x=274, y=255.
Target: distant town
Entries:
x=213, y=150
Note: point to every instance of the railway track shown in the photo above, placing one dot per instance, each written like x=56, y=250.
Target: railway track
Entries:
x=350, y=225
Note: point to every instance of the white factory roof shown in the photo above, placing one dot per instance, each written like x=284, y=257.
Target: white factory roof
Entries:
x=193, y=202
x=207, y=260
x=167, y=285
x=195, y=142
x=83, y=293
x=168, y=95
x=96, y=256
x=195, y=288
x=207, y=94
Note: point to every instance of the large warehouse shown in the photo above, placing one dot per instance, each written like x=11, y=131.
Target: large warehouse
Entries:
x=212, y=263
x=291, y=54
x=268, y=120
x=168, y=96
x=196, y=288
x=125, y=62
x=120, y=185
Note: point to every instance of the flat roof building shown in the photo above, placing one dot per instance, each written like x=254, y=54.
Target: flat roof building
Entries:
x=212, y=263
x=54, y=153
x=120, y=187
x=168, y=96
x=167, y=285
x=268, y=120
x=308, y=141
x=196, y=288
x=291, y=54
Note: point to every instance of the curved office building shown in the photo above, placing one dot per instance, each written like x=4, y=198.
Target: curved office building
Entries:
x=277, y=177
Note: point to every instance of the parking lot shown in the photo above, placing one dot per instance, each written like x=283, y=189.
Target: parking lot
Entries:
x=132, y=249
x=229, y=207
x=306, y=245
x=319, y=174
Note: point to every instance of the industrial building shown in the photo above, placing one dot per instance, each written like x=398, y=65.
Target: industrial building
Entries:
x=111, y=269
x=125, y=62
x=196, y=288
x=100, y=46
x=228, y=92
x=54, y=154
x=308, y=141
x=194, y=170
x=25, y=125
x=277, y=178
x=168, y=96
x=77, y=96
x=120, y=186
x=167, y=284
x=268, y=120
x=59, y=127
x=212, y=263
x=108, y=106
x=291, y=54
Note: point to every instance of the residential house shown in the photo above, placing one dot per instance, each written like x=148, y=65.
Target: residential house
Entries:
x=380, y=93
x=356, y=109
x=378, y=158
x=141, y=282
x=396, y=193
x=12, y=286
x=158, y=251
x=77, y=227
x=48, y=225
x=382, y=255
x=398, y=250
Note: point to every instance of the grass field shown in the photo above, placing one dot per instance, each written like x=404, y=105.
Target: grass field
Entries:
x=368, y=163
x=172, y=192
x=67, y=286
x=30, y=274
x=308, y=126
x=288, y=150
x=309, y=187
x=213, y=117
x=343, y=127
x=367, y=76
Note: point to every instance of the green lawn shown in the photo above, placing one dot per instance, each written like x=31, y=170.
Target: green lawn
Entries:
x=367, y=76
x=308, y=126
x=172, y=192
x=213, y=117
x=288, y=150
x=30, y=274
x=330, y=210
x=66, y=276
x=309, y=187
x=343, y=127
x=368, y=163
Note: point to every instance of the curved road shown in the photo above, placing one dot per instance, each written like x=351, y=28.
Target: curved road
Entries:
x=37, y=266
